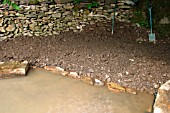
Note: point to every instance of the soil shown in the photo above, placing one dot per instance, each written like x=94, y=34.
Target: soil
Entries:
x=96, y=52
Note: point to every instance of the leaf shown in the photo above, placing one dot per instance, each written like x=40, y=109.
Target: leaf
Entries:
x=89, y=6
x=5, y=1
x=95, y=4
x=15, y=6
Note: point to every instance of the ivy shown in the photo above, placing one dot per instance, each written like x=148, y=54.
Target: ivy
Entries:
x=14, y=5
x=93, y=4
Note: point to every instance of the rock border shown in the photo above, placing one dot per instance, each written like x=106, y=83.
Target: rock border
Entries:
x=91, y=80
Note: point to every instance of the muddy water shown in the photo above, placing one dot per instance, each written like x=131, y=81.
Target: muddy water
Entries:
x=45, y=92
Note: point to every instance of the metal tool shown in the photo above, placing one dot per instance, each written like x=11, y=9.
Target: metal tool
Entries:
x=151, y=35
x=113, y=17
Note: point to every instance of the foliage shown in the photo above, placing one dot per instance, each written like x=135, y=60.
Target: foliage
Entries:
x=93, y=4
x=160, y=9
x=76, y=1
x=140, y=18
x=14, y=5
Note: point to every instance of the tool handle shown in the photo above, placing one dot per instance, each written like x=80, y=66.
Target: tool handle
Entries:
x=150, y=15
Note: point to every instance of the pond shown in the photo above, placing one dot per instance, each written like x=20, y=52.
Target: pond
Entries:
x=44, y=92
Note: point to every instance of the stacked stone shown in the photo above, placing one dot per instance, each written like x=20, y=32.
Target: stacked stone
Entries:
x=123, y=12
x=46, y=19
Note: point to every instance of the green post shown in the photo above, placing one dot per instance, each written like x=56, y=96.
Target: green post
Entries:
x=114, y=17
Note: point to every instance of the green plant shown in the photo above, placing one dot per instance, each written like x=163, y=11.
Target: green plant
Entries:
x=76, y=1
x=137, y=13
x=140, y=18
x=14, y=5
x=93, y=4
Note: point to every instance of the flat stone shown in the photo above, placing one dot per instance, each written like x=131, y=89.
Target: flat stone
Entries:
x=66, y=13
x=2, y=29
x=88, y=80
x=25, y=25
x=11, y=28
x=68, y=6
x=55, y=32
x=40, y=15
x=56, y=70
x=32, y=27
x=57, y=15
x=3, y=38
x=19, y=14
x=129, y=2
x=73, y=75
x=130, y=90
x=50, y=24
x=115, y=87
x=31, y=16
x=48, y=13
x=6, y=13
x=22, y=18
x=1, y=21
x=44, y=8
x=62, y=1
x=125, y=7
x=162, y=102
x=13, y=69
x=69, y=23
x=33, y=7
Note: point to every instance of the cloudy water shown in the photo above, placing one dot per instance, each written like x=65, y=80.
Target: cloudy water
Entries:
x=44, y=92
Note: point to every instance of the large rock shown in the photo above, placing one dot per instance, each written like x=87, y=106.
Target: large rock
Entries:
x=13, y=69
x=162, y=102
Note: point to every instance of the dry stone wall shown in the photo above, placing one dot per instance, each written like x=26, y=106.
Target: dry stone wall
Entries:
x=48, y=19
x=65, y=1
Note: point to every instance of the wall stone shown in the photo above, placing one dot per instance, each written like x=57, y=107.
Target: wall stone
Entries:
x=62, y=1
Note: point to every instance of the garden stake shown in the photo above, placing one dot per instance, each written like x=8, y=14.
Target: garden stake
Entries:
x=113, y=17
x=151, y=35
